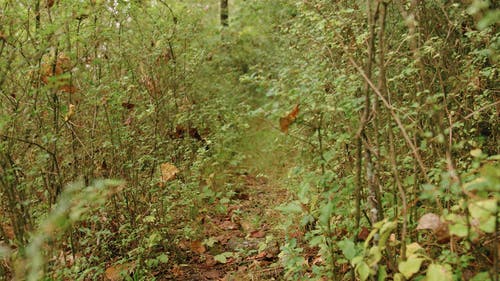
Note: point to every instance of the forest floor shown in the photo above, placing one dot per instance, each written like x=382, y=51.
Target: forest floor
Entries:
x=244, y=242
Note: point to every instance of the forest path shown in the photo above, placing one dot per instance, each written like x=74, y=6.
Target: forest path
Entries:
x=246, y=238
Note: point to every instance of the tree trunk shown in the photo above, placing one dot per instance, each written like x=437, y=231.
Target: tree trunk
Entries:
x=224, y=12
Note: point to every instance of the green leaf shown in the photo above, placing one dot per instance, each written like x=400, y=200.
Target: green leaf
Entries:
x=412, y=249
x=438, y=272
x=4, y=252
x=458, y=229
x=222, y=258
x=476, y=152
x=356, y=260
x=326, y=213
x=484, y=211
x=363, y=270
x=385, y=232
x=290, y=208
x=348, y=248
x=481, y=276
x=162, y=258
x=410, y=267
x=374, y=255
x=209, y=242
x=398, y=277
x=382, y=273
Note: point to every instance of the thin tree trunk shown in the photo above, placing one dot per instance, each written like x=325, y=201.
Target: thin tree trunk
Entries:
x=224, y=12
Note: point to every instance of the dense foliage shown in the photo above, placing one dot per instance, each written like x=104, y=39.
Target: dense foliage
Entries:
x=133, y=132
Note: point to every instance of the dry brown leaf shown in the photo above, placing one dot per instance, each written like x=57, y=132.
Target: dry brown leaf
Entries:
x=429, y=221
x=177, y=271
x=61, y=65
x=258, y=234
x=286, y=121
x=197, y=247
x=70, y=113
x=9, y=232
x=246, y=226
x=228, y=225
x=363, y=234
x=433, y=222
x=260, y=255
x=168, y=172
x=119, y=271
x=212, y=274
x=318, y=260
x=129, y=120
x=210, y=260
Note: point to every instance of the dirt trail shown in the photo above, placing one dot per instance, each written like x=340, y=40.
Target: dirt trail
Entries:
x=244, y=243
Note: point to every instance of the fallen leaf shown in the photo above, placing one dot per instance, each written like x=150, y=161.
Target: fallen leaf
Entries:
x=177, y=271
x=224, y=257
x=118, y=272
x=242, y=268
x=168, y=172
x=246, y=226
x=260, y=255
x=286, y=121
x=197, y=247
x=212, y=274
x=209, y=260
x=433, y=222
x=129, y=120
x=429, y=221
x=318, y=261
x=228, y=225
x=257, y=234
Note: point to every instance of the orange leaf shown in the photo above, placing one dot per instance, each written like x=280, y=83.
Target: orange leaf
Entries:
x=293, y=114
x=168, y=172
x=286, y=121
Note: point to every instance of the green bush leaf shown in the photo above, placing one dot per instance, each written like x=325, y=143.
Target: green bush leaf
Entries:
x=438, y=272
x=484, y=211
x=290, y=208
x=348, y=248
x=163, y=258
x=412, y=249
x=481, y=276
x=410, y=267
x=363, y=270
x=374, y=255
